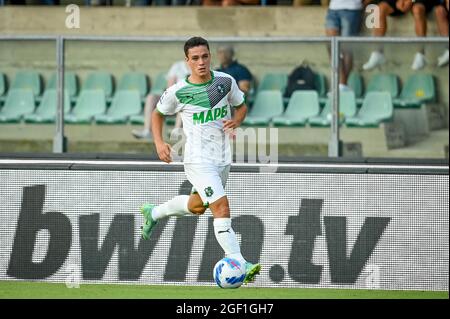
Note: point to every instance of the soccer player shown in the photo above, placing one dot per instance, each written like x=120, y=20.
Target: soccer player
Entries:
x=204, y=100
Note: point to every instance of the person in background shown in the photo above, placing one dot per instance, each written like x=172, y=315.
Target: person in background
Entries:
x=178, y=71
x=393, y=8
x=420, y=10
x=344, y=18
x=229, y=65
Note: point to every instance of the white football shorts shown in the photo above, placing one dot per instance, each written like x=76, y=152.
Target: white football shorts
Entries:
x=208, y=180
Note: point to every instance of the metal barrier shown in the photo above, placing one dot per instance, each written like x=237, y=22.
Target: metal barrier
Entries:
x=335, y=43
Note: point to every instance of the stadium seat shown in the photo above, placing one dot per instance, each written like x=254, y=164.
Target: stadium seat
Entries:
x=158, y=85
x=89, y=104
x=3, y=88
x=46, y=111
x=30, y=80
x=355, y=82
x=137, y=119
x=376, y=108
x=134, y=81
x=347, y=108
x=18, y=103
x=382, y=82
x=99, y=81
x=321, y=84
x=418, y=89
x=124, y=104
x=70, y=84
x=302, y=105
x=273, y=81
x=267, y=105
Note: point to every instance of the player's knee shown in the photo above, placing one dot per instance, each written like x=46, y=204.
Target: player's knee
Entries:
x=199, y=210
x=221, y=211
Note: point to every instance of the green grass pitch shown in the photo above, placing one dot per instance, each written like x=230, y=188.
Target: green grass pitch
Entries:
x=29, y=290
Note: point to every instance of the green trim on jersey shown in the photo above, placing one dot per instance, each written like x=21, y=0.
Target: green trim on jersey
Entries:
x=201, y=84
x=193, y=95
x=236, y=106
x=160, y=111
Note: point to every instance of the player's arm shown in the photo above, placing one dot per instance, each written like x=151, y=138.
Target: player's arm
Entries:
x=239, y=115
x=162, y=148
x=166, y=105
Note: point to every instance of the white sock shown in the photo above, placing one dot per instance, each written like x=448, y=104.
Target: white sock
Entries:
x=226, y=237
x=177, y=206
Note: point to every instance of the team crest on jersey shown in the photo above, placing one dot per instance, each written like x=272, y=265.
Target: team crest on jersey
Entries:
x=220, y=88
x=208, y=191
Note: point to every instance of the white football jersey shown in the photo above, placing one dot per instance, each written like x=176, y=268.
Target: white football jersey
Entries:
x=203, y=108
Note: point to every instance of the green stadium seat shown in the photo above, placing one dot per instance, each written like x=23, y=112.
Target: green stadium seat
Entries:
x=134, y=81
x=355, y=82
x=158, y=85
x=418, y=89
x=302, y=105
x=3, y=88
x=30, y=80
x=70, y=84
x=137, y=119
x=376, y=108
x=99, y=81
x=89, y=104
x=273, y=81
x=18, y=103
x=267, y=105
x=124, y=104
x=321, y=84
x=46, y=111
x=347, y=108
x=382, y=83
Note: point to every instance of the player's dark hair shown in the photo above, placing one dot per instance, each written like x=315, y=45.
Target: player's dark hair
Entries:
x=194, y=42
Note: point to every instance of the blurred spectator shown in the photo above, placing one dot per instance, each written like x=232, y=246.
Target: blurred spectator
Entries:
x=226, y=3
x=243, y=77
x=386, y=8
x=344, y=18
x=420, y=9
x=178, y=71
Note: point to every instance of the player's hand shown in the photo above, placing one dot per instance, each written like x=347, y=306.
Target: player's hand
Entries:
x=230, y=124
x=229, y=127
x=164, y=152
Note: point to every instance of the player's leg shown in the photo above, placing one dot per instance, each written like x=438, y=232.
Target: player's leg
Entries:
x=442, y=21
x=420, y=25
x=226, y=237
x=180, y=205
